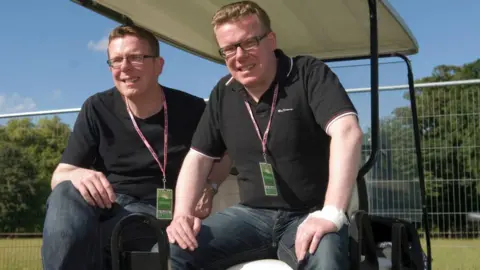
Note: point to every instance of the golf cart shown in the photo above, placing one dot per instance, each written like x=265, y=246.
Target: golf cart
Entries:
x=330, y=30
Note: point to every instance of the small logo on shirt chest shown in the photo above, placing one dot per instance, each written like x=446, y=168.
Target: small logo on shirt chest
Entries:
x=285, y=110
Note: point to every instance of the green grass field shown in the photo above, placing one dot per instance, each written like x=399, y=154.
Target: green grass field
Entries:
x=455, y=254
x=24, y=254
x=20, y=254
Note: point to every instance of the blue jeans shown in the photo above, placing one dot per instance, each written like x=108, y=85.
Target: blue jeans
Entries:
x=239, y=234
x=77, y=235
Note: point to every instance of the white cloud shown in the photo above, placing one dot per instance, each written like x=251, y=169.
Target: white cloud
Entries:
x=98, y=46
x=16, y=103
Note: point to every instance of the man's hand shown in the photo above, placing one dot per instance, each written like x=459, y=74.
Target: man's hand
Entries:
x=183, y=230
x=309, y=234
x=93, y=186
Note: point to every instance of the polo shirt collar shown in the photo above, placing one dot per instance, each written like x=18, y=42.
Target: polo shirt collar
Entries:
x=120, y=107
x=284, y=69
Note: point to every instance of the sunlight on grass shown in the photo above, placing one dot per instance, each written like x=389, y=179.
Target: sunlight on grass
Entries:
x=20, y=254
x=455, y=254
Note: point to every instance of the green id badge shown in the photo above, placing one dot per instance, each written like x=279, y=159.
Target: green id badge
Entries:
x=269, y=184
x=164, y=203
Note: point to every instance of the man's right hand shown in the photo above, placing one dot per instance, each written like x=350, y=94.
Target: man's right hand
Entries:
x=183, y=230
x=94, y=187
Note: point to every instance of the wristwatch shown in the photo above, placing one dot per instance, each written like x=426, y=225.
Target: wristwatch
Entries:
x=213, y=186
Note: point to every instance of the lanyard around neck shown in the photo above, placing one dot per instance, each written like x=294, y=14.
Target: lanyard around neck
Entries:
x=165, y=139
x=267, y=130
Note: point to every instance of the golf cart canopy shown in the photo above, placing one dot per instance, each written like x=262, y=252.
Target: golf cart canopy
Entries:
x=326, y=29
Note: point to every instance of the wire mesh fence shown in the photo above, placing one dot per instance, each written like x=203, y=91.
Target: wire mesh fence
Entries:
x=449, y=120
x=20, y=251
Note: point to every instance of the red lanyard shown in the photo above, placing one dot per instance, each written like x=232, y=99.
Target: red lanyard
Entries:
x=165, y=138
x=267, y=130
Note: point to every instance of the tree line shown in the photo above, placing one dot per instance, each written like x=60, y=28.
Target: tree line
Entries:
x=29, y=152
x=450, y=135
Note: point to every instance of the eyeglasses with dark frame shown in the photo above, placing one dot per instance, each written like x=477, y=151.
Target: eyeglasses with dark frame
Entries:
x=246, y=45
x=134, y=59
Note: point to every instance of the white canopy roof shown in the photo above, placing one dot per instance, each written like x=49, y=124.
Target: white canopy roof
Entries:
x=323, y=28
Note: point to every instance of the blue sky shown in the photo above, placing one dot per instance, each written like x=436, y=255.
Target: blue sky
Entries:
x=53, y=54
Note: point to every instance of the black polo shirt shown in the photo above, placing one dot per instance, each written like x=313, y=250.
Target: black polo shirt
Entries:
x=310, y=98
x=105, y=139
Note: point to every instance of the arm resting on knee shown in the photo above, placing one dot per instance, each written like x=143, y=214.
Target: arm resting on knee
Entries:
x=62, y=173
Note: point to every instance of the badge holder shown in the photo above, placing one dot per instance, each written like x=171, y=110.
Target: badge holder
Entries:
x=269, y=183
x=164, y=203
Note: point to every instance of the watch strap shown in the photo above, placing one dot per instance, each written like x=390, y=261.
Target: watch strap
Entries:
x=213, y=186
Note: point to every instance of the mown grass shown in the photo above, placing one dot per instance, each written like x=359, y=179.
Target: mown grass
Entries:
x=20, y=254
x=24, y=254
x=452, y=254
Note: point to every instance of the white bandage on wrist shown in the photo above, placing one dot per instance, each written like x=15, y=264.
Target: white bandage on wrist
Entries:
x=332, y=214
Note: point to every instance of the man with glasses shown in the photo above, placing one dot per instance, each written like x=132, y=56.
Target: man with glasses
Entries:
x=293, y=133
x=123, y=156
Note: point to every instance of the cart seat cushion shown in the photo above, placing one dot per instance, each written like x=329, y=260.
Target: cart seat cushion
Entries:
x=384, y=263
x=261, y=265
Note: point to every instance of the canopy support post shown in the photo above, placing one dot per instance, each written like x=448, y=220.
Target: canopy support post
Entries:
x=418, y=152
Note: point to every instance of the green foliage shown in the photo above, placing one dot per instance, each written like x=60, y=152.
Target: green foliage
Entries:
x=17, y=189
x=29, y=152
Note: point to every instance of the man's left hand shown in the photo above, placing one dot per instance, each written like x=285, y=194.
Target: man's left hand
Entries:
x=204, y=205
x=309, y=234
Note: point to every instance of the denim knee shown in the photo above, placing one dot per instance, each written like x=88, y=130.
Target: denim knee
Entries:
x=181, y=258
x=331, y=253
x=64, y=192
x=70, y=231
x=66, y=209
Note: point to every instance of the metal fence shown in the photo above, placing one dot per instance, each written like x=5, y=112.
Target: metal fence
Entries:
x=449, y=117
x=449, y=120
